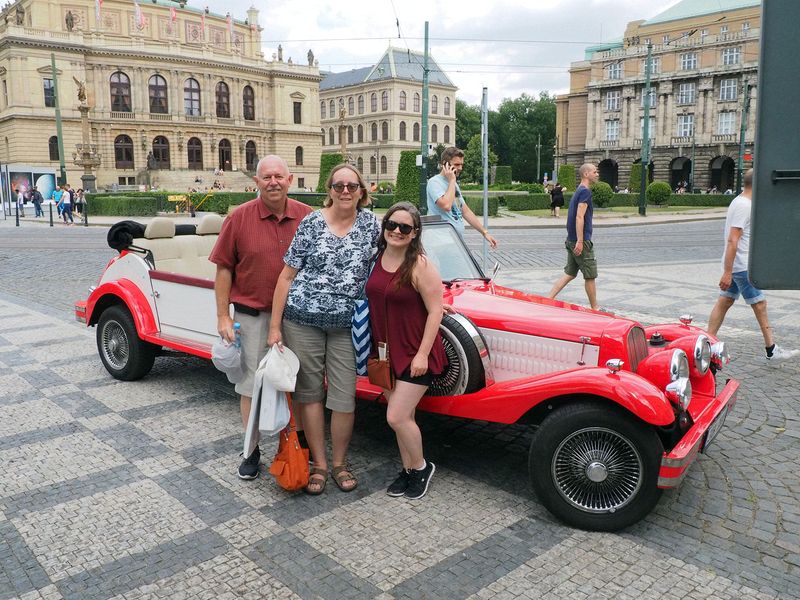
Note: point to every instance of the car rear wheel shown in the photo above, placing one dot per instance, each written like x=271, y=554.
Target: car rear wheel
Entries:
x=595, y=467
x=123, y=353
x=464, y=373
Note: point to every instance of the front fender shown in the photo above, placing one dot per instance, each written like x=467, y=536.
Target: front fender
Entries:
x=131, y=296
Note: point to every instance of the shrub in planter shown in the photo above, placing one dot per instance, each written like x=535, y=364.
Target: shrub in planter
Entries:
x=658, y=192
x=601, y=194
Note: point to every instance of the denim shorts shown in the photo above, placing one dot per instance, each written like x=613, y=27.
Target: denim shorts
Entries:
x=740, y=284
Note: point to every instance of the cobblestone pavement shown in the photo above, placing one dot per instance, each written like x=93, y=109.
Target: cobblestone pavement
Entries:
x=128, y=490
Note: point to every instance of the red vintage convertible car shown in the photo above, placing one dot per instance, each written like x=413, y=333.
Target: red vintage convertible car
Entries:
x=620, y=411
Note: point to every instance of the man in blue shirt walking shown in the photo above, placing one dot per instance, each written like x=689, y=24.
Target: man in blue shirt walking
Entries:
x=580, y=250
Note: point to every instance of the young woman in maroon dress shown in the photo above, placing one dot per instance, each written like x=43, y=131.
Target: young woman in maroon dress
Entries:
x=405, y=301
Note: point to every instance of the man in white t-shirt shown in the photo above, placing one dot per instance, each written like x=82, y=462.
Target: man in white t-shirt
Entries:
x=734, y=280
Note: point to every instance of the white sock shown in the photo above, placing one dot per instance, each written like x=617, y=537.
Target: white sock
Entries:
x=422, y=468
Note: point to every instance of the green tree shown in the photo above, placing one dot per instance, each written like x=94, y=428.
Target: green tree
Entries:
x=473, y=160
x=407, y=187
x=567, y=177
x=326, y=163
x=468, y=122
x=518, y=126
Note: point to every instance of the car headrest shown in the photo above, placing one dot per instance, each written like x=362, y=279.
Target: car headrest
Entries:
x=210, y=224
x=160, y=227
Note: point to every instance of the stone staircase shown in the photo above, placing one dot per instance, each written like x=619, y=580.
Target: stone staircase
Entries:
x=182, y=180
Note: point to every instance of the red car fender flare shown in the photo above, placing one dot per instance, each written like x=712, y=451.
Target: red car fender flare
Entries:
x=130, y=295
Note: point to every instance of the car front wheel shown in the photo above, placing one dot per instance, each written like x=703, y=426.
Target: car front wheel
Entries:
x=123, y=353
x=595, y=467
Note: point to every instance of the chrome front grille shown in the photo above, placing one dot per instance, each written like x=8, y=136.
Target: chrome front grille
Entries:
x=637, y=347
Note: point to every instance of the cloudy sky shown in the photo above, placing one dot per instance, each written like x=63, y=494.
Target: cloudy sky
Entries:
x=508, y=46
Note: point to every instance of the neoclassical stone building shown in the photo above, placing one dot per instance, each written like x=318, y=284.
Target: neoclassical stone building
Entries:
x=379, y=109
x=192, y=87
x=705, y=55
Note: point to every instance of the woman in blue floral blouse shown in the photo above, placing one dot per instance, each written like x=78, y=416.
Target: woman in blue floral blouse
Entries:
x=325, y=270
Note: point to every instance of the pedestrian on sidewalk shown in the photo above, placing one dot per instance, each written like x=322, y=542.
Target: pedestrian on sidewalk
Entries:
x=36, y=198
x=580, y=249
x=20, y=202
x=735, y=281
x=56, y=199
x=556, y=199
x=66, y=204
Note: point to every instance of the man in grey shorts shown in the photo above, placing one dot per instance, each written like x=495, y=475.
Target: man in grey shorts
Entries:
x=249, y=257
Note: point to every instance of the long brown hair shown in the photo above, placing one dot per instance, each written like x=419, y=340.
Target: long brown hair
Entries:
x=363, y=201
x=414, y=250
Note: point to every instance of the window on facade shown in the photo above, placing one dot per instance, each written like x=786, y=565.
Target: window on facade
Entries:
x=613, y=100
x=120, y=86
x=157, y=90
x=385, y=100
x=731, y=56
x=653, y=98
x=361, y=105
x=726, y=122
x=728, y=89
x=374, y=132
x=194, y=153
x=248, y=104
x=49, y=93
x=191, y=97
x=372, y=165
x=612, y=129
x=685, y=125
x=447, y=134
x=384, y=165
x=322, y=110
x=416, y=108
x=723, y=29
x=330, y=136
x=360, y=164
x=651, y=127
x=223, y=97
x=686, y=93
x=351, y=106
x=373, y=102
x=298, y=112
x=703, y=35
x=688, y=61
x=434, y=133
x=402, y=102
x=123, y=152
x=298, y=156
x=323, y=135
x=665, y=39
x=402, y=131
x=447, y=105
x=655, y=65
x=332, y=109
x=385, y=131
x=52, y=147
x=360, y=134
x=746, y=26
x=614, y=71
x=350, y=134
x=416, y=132
x=161, y=152
x=435, y=105
x=301, y=183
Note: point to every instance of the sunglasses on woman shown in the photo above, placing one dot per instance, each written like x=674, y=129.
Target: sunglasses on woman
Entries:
x=351, y=187
x=404, y=228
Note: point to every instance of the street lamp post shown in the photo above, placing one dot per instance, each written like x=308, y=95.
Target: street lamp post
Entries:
x=742, y=130
x=645, y=132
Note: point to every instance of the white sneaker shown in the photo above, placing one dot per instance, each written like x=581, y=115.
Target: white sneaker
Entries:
x=780, y=355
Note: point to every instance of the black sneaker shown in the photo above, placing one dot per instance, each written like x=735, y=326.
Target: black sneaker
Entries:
x=249, y=467
x=418, y=481
x=399, y=486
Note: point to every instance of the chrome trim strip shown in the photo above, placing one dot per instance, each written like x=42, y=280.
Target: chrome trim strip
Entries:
x=671, y=482
x=477, y=339
x=686, y=460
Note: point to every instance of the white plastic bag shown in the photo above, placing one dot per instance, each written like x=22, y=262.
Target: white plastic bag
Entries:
x=280, y=368
x=227, y=357
x=269, y=410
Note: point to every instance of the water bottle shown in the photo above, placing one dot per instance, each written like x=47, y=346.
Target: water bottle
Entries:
x=237, y=327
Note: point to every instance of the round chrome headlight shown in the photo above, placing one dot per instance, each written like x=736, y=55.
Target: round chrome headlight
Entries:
x=702, y=354
x=719, y=354
x=679, y=365
x=680, y=391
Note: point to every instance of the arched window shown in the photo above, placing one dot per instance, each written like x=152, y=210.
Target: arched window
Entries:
x=434, y=133
x=373, y=165
x=373, y=102
x=360, y=133
x=322, y=131
x=123, y=152
x=191, y=97
x=447, y=105
x=194, y=153
x=52, y=146
x=250, y=155
x=298, y=156
x=374, y=132
x=360, y=164
x=332, y=109
x=223, y=100
x=434, y=104
x=351, y=106
x=385, y=131
x=402, y=100
x=416, y=132
x=157, y=87
x=120, y=86
x=447, y=134
x=161, y=152
x=322, y=110
x=416, y=102
x=384, y=164
x=349, y=134
x=248, y=104
x=402, y=131
x=385, y=100
x=361, y=105
x=330, y=136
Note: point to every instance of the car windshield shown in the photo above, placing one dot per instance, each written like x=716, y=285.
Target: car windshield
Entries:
x=448, y=251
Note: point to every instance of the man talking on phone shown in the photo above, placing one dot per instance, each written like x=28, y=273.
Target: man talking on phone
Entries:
x=445, y=199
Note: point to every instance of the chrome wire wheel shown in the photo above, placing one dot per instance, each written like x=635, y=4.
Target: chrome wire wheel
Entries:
x=115, y=345
x=453, y=378
x=597, y=470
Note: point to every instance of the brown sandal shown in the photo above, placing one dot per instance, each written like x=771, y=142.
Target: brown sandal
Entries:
x=318, y=484
x=341, y=474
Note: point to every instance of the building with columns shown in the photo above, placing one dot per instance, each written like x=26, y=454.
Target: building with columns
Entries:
x=704, y=62
x=378, y=109
x=191, y=87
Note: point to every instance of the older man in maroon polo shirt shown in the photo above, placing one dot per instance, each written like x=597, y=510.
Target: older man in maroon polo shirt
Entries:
x=249, y=258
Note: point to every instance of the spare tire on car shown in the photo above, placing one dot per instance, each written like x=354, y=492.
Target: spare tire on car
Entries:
x=465, y=372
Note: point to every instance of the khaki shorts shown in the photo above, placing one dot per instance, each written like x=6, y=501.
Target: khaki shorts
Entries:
x=585, y=263
x=323, y=353
x=254, y=333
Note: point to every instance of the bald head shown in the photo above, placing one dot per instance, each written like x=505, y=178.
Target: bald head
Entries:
x=747, y=180
x=588, y=174
x=273, y=180
x=272, y=160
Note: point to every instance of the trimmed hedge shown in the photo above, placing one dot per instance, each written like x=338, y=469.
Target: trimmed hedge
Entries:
x=529, y=202
x=658, y=193
x=326, y=163
x=407, y=188
x=121, y=205
x=719, y=200
x=623, y=200
x=502, y=175
x=476, y=204
x=566, y=177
